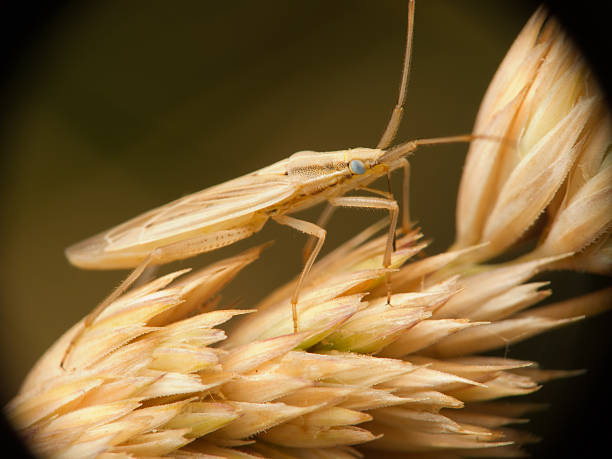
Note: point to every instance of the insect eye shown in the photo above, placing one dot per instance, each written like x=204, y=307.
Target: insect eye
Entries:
x=357, y=167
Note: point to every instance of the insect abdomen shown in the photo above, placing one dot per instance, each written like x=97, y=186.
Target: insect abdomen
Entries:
x=95, y=253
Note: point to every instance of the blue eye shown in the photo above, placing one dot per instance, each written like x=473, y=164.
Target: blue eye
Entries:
x=357, y=167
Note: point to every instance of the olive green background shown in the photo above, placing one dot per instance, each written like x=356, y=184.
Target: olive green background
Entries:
x=123, y=106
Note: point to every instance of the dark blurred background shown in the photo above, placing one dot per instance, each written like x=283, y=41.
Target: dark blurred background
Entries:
x=113, y=108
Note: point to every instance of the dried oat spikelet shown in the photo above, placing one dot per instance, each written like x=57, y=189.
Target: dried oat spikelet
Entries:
x=543, y=101
x=169, y=388
x=584, y=210
x=596, y=258
x=154, y=376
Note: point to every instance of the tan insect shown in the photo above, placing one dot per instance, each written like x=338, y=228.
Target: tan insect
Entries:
x=234, y=210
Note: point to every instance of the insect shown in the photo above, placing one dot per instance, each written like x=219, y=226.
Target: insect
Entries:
x=234, y=210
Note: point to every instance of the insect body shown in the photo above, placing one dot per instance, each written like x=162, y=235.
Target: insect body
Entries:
x=226, y=213
x=223, y=214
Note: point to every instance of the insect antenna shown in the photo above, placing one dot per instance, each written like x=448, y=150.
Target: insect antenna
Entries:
x=396, y=118
x=386, y=140
x=398, y=111
x=404, y=149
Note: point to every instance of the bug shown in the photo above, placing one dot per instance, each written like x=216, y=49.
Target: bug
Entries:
x=232, y=211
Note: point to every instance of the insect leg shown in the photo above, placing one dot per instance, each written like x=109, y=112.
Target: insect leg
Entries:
x=174, y=251
x=146, y=276
x=321, y=222
x=328, y=212
x=99, y=309
x=313, y=230
x=385, y=194
x=406, y=224
x=382, y=193
x=376, y=203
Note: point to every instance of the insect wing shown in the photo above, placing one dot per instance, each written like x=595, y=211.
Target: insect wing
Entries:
x=214, y=208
